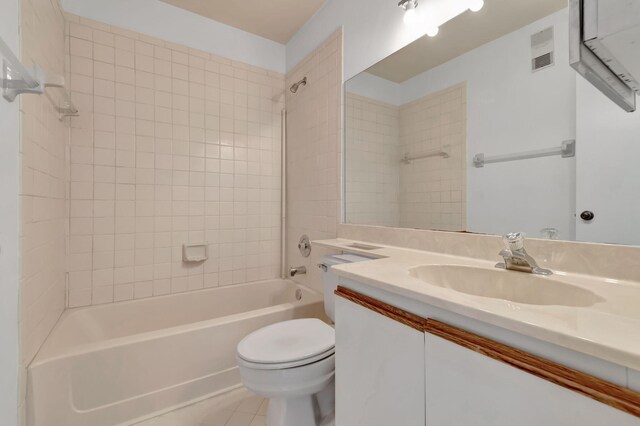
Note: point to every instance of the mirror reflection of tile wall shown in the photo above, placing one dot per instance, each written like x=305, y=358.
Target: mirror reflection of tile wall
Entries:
x=373, y=157
x=428, y=193
x=432, y=190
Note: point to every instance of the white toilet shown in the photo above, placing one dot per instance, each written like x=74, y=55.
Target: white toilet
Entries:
x=292, y=362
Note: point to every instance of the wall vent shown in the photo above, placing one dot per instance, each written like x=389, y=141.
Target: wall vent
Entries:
x=542, y=49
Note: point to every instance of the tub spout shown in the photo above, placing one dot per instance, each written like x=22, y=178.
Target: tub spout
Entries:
x=297, y=270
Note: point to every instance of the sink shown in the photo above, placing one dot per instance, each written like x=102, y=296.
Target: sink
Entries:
x=519, y=287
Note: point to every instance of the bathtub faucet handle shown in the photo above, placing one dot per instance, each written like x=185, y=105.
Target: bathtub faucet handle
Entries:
x=304, y=245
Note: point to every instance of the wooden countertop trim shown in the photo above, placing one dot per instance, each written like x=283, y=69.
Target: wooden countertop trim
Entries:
x=592, y=387
x=406, y=318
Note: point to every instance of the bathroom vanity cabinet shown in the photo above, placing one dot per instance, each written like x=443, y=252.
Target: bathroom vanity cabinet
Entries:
x=465, y=387
x=380, y=369
x=397, y=368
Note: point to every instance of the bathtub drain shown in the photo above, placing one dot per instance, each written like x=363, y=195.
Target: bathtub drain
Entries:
x=298, y=294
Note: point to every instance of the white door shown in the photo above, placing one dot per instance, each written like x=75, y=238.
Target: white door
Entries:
x=607, y=169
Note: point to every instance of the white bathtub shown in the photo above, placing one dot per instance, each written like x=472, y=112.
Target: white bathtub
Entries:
x=120, y=363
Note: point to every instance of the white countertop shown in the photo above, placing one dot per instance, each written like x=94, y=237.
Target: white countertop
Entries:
x=608, y=329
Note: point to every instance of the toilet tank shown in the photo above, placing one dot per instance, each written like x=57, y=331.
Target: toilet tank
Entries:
x=330, y=279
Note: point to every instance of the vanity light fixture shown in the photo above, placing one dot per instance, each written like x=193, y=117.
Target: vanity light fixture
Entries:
x=410, y=15
x=412, y=19
x=475, y=5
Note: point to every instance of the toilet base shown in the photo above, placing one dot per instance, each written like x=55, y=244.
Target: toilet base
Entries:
x=308, y=410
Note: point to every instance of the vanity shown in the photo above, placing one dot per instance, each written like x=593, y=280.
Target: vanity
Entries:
x=438, y=339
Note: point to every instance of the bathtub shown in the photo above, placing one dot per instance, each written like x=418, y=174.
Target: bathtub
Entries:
x=120, y=363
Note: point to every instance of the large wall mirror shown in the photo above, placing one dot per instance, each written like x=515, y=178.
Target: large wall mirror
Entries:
x=486, y=128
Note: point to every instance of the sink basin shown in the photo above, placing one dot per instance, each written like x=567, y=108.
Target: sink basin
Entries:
x=519, y=287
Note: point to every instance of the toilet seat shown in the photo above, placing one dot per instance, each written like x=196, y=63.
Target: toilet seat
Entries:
x=284, y=365
x=287, y=344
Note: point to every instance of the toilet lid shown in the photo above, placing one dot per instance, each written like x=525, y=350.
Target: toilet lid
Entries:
x=287, y=341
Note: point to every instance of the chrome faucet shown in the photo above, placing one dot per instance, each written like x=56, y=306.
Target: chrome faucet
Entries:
x=516, y=257
x=297, y=270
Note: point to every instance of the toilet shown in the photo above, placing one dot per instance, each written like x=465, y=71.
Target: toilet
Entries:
x=292, y=362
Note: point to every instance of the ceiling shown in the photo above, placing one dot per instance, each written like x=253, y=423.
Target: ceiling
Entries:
x=277, y=20
x=463, y=34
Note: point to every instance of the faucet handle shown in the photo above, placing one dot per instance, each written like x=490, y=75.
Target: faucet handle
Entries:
x=550, y=233
x=513, y=241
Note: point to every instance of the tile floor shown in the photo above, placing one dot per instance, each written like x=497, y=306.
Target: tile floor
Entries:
x=236, y=408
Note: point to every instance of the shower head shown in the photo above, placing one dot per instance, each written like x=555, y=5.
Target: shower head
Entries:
x=294, y=87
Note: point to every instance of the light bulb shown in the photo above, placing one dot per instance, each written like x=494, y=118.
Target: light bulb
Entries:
x=433, y=31
x=410, y=17
x=475, y=5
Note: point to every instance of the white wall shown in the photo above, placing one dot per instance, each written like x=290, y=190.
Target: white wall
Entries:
x=369, y=33
x=374, y=87
x=170, y=23
x=9, y=228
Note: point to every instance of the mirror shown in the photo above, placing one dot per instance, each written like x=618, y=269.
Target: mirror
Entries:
x=487, y=128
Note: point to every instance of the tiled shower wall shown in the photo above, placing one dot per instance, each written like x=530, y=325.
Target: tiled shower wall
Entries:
x=173, y=145
x=313, y=153
x=44, y=181
x=373, y=155
x=433, y=190
x=428, y=193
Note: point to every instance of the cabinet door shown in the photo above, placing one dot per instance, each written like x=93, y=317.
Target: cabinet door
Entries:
x=464, y=387
x=379, y=369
